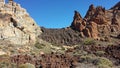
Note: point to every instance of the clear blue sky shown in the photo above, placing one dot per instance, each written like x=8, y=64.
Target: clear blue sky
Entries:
x=59, y=13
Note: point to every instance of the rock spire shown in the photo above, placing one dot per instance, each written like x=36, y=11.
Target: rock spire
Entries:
x=98, y=23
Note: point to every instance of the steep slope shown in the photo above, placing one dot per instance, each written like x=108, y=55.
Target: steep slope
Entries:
x=65, y=36
x=16, y=26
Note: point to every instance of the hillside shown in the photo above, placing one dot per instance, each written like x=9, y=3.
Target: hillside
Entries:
x=89, y=42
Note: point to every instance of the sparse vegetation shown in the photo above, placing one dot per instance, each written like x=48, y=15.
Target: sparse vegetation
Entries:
x=103, y=62
x=27, y=65
x=87, y=58
x=100, y=53
x=103, y=66
x=39, y=45
x=89, y=41
x=6, y=63
x=59, y=48
x=100, y=62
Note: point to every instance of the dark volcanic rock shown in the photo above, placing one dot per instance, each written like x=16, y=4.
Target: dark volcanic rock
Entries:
x=46, y=61
x=114, y=51
x=118, y=36
x=65, y=36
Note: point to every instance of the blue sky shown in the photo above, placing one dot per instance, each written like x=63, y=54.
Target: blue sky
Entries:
x=59, y=13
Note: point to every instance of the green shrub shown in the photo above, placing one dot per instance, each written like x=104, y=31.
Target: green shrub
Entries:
x=103, y=66
x=38, y=45
x=101, y=62
x=46, y=49
x=27, y=65
x=5, y=63
x=89, y=41
x=100, y=53
x=87, y=58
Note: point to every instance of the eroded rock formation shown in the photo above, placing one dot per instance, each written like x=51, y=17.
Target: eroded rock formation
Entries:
x=98, y=22
x=16, y=26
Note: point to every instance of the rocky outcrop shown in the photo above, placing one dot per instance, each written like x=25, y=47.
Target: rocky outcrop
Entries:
x=98, y=22
x=82, y=25
x=78, y=23
x=16, y=26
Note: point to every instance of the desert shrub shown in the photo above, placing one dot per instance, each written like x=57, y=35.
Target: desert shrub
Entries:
x=110, y=44
x=39, y=45
x=47, y=49
x=103, y=66
x=89, y=41
x=80, y=52
x=13, y=65
x=5, y=63
x=87, y=58
x=103, y=62
x=27, y=65
x=62, y=48
x=100, y=53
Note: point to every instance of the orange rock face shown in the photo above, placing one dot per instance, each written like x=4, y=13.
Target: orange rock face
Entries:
x=78, y=22
x=93, y=30
x=98, y=22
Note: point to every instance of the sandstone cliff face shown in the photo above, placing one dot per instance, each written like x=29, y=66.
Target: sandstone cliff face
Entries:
x=16, y=26
x=98, y=22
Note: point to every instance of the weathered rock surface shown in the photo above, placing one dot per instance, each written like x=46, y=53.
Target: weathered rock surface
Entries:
x=98, y=22
x=47, y=60
x=65, y=36
x=16, y=26
x=78, y=22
